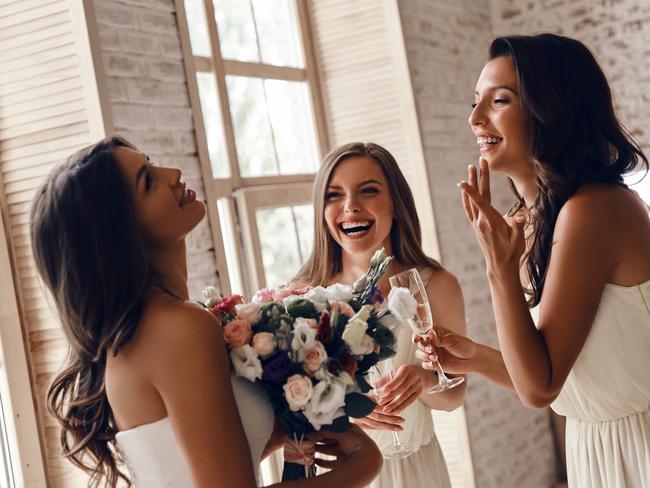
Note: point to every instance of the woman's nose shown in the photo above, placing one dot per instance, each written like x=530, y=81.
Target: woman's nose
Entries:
x=351, y=205
x=476, y=117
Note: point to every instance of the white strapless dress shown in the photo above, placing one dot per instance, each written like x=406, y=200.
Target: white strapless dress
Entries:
x=154, y=459
x=606, y=397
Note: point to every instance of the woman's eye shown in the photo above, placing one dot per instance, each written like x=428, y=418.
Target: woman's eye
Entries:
x=331, y=194
x=370, y=191
x=500, y=100
x=148, y=181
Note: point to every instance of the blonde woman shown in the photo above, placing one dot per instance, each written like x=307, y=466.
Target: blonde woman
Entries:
x=361, y=203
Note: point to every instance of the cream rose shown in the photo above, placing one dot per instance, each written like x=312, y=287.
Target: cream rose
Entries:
x=314, y=358
x=309, y=322
x=366, y=346
x=297, y=391
x=318, y=296
x=246, y=363
x=264, y=343
x=248, y=312
x=356, y=327
x=340, y=293
x=237, y=333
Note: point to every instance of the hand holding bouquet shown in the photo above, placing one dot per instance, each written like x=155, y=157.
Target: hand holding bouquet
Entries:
x=311, y=348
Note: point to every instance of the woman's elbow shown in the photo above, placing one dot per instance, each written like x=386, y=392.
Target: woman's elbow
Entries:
x=537, y=398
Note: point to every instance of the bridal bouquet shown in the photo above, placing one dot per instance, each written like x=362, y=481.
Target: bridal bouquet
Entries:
x=310, y=348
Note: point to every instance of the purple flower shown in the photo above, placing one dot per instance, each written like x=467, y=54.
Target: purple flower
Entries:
x=374, y=296
x=277, y=368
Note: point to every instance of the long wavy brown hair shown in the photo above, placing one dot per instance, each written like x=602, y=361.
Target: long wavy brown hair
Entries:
x=89, y=251
x=326, y=261
x=576, y=136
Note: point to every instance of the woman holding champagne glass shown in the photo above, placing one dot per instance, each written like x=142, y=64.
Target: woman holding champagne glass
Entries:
x=363, y=203
x=577, y=335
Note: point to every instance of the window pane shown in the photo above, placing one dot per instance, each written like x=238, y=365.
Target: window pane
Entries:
x=213, y=124
x=236, y=30
x=6, y=475
x=293, y=128
x=253, y=137
x=198, y=27
x=304, y=218
x=280, y=249
x=277, y=28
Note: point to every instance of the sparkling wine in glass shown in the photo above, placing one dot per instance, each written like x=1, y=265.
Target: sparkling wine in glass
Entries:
x=422, y=321
x=397, y=449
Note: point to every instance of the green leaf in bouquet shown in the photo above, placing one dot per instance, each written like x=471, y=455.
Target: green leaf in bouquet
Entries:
x=340, y=424
x=358, y=405
x=364, y=386
x=302, y=308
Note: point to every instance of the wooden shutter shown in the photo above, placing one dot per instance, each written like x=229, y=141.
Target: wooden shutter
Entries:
x=368, y=96
x=49, y=108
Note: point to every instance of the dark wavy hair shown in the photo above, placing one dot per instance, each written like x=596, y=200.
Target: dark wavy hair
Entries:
x=326, y=259
x=576, y=136
x=89, y=251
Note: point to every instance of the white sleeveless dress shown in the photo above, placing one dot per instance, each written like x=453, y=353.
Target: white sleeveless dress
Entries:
x=426, y=466
x=154, y=459
x=606, y=397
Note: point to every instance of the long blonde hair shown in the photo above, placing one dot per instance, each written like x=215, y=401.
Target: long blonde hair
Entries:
x=325, y=261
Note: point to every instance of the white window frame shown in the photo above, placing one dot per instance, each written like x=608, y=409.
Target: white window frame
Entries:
x=240, y=196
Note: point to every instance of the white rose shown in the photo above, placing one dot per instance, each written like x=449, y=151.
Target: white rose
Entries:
x=211, y=296
x=297, y=391
x=318, y=296
x=246, y=363
x=326, y=404
x=366, y=346
x=302, y=320
x=339, y=292
x=248, y=312
x=304, y=338
x=402, y=304
x=356, y=327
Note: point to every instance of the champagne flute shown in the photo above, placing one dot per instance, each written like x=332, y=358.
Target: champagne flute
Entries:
x=397, y=449
x=422, y=321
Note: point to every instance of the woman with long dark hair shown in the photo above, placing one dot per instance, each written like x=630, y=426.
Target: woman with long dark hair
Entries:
x=147, y=380
x=578, y=239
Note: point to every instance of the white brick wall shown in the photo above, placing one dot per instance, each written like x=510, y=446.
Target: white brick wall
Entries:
x=150, y=104
x=447, y=46
x=616, y=31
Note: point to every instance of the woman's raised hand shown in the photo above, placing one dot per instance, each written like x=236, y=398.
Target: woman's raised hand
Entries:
x=457, y=354
x=502, y=242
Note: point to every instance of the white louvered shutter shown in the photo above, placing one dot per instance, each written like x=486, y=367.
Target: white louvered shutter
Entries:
x=48, y=110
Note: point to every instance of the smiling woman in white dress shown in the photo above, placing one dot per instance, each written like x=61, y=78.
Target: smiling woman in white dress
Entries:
x=543, y=116
x=148, y=381
x=362, y=202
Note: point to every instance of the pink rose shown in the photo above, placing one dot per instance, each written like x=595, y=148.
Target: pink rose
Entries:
x=264, y=343
x=314, y=358
x=237, y=333
x=297, y=391
x=311, y=323
x=280, y=294
x=265, y=295
x=344, y=308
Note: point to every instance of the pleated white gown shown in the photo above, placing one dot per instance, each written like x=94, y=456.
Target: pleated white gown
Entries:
x=426, y=467
x=606, y=398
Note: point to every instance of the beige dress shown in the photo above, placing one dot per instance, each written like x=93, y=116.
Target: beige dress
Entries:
x=606, y=397
x=426, y=466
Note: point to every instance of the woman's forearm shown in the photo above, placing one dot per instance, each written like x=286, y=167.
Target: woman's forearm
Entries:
x=448, y=400
x=490, y=364
x=522, y=348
